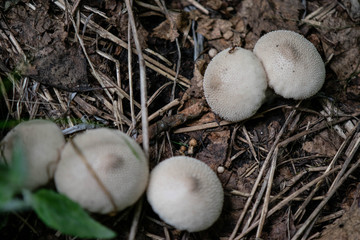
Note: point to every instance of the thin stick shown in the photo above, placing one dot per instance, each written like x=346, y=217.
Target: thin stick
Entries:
x=267, y=195
x=331, y=165
x=93, y=70
x=144, y=110
x=289, y=184
x=151, y=63
x=162, y=110
x=306, y=234
x=257, y=202
x=4, y=94
x=346, y=163
x=316, y=128
x=135, y=222
x=162, y=5
x=329, y=195
x=149, y=102
x=286, y=200
x=261, y=173
x=252, y=149
x=202, y=126
x=25, y=221
x=199, y=6
x=131, y=90
x=143, y=90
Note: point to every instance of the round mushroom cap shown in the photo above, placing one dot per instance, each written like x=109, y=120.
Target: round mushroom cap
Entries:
x=118, y=162
x=42, y=141
x=185, y=193
x=235, y=84
x=293, y=66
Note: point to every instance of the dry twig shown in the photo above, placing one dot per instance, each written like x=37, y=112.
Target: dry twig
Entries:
x=260, y=175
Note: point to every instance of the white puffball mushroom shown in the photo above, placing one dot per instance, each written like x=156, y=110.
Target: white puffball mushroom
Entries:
x=115, y=158
x=235, y=84
x=185, y=193
x=42, y=141
x=293, y=66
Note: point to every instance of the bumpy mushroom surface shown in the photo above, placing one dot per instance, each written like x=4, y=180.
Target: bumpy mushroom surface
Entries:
x=42, y=141
x=185, y=193
x=115, y=158
x=235, y=84
x=293, y=66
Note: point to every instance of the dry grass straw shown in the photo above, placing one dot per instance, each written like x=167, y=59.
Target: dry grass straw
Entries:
x=260, y=175
x=352, y=141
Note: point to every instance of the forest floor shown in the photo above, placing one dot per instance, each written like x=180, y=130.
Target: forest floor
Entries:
x=69, y=62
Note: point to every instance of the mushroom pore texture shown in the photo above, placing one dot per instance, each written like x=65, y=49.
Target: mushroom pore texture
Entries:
x=42, y=141
x=185, y=193
x=293, y=66
x=235, y=84
x=104, y=170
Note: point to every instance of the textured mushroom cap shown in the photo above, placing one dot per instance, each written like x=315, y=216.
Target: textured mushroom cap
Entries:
x=235, y=84
x=117, y=160
x=293, y=66
x=185, y=193
x=42, y=141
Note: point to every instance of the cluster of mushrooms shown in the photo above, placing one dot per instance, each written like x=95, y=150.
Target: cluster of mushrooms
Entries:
x=104, y=171
x=236, y=80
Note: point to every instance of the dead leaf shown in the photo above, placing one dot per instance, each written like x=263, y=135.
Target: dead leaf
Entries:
x=169, y=28
x=52, y=62
x=64, y=69
x=166, y=30
x=353, y=9
x=353, y=89
x=213, y=28
x=215, y=152
x=216, y=4
x=280, y=226
x=344, y=228
x=196, y=89
x=265, y=16
x=325, y=143
x=33, y=28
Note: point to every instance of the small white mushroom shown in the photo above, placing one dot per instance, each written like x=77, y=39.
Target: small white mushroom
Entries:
x=42, y=141
x=185, y=193
x=235, y=84
x=103, y=170
x=293, y=66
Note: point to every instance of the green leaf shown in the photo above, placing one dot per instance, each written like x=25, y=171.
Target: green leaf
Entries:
x=61, y=213
x=18, y=166
x=13, y=175
x=6, y=190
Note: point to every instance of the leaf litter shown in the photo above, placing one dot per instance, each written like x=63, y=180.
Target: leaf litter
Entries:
x=308, y=148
